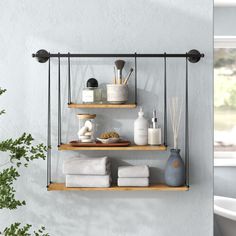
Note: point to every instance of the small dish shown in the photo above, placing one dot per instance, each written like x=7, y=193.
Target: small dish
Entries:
x=109, y=140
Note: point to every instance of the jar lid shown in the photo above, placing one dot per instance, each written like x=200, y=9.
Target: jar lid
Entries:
x=86, y=116
x=92, y=83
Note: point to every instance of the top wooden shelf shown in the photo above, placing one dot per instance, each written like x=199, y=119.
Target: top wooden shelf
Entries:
x=111, y=106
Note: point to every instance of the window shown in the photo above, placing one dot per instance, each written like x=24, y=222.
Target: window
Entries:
x=225, y=99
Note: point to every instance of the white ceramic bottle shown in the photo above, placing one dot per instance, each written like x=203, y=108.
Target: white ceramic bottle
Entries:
x=141, y=129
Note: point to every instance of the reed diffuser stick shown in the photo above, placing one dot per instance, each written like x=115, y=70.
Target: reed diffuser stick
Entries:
x=175, y=108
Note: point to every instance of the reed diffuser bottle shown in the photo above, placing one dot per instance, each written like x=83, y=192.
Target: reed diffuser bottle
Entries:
x=175, y=169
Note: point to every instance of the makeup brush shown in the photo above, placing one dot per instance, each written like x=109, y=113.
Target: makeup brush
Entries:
x=119, y=65
x=128, y=76
x=114, y=75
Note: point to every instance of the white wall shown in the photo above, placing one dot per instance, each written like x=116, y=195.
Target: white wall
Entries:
x=109, y=26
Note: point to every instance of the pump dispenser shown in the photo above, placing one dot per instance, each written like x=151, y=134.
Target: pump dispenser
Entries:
x=154, y=133
x=141, y=129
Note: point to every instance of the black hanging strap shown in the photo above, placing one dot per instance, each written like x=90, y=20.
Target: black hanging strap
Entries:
x=165, y=103
x=186, y=128
x=69, y=81
x=59, y=101
x=135, y=79
x=49, y=151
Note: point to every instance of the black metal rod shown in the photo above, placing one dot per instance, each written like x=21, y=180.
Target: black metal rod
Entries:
x=186, y=129
x=69, y=81
x=165, y=104
x=121, y=55
x=59, y=101
x=135, y=81
x=49, y=151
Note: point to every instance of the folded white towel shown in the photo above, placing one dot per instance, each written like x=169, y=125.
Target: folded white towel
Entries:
x=133, y=171
x=103, y=181
x=139, y=182
x=86, y=166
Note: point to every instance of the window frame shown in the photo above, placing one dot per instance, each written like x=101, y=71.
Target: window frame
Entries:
x=224, y=158
x=224, y=3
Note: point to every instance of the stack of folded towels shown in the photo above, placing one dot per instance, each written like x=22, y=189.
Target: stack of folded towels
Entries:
x=133, y=176
x=87, y=172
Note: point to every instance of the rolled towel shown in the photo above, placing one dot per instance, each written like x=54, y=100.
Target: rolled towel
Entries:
x=133, y=171
x=102, y=181
x=86, y=166
x=135, y=182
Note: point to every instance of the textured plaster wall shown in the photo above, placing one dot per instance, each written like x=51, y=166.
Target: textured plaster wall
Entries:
x=145, y=26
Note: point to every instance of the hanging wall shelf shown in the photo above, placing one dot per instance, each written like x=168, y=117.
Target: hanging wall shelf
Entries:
x=156, y=187
x=43, y=56
x=103, y=106
x=68, y=147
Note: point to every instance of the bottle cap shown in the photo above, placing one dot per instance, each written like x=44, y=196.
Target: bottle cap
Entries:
x=141, y=112
x=92, y=83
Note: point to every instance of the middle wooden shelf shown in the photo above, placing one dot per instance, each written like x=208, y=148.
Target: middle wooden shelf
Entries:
x=103, y=105
x=68, y=147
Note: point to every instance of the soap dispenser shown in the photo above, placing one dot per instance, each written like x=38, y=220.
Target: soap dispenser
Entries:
x=141, y=129
x=154, y=132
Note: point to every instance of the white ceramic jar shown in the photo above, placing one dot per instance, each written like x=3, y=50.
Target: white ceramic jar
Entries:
x=117, y=93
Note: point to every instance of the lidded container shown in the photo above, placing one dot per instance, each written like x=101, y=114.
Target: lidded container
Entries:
x=92, y=93
x=86, y=127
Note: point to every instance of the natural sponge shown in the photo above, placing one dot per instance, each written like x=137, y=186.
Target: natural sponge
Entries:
x=111, y=134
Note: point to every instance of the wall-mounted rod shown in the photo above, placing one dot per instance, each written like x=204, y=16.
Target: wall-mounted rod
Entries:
x=193, y=55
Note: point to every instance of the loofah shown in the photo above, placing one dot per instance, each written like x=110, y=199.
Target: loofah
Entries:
x=111, y=134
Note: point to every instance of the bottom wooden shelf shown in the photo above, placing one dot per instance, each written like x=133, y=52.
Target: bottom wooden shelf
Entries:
x=156, y=187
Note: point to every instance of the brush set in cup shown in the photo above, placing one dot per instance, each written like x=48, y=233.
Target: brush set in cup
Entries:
x=117, y=93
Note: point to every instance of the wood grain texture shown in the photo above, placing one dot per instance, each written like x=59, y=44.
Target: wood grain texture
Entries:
x=66, y=147
x=112, y=106
x=153, y=187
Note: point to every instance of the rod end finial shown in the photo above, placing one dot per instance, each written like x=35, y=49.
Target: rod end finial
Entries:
x=196, y=56
x=42, y=55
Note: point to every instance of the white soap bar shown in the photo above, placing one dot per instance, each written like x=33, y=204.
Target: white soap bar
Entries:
x=85, y=137
x=89, y=125
x=83, y=130
x=88, y=134
x=86, y=140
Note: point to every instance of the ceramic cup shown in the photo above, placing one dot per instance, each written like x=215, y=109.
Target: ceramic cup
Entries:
x=117, y=93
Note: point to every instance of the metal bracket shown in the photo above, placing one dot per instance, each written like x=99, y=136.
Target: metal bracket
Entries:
x=196, y=57
x=42, y=55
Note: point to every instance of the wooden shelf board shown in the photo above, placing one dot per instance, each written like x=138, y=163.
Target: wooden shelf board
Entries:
x=129, y=148
x=117, y=106
x=156, y=187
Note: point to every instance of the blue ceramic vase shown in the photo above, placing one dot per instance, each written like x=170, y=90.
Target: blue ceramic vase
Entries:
x=175, y=170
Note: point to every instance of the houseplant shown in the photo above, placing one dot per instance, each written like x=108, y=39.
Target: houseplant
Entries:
x=21, y=151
